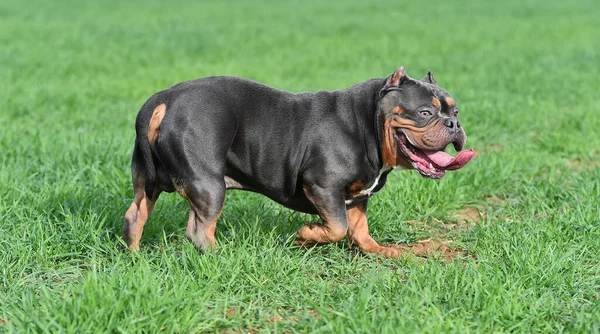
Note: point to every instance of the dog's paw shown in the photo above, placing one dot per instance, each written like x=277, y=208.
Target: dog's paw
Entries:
x=305, y=236
x=386, y=252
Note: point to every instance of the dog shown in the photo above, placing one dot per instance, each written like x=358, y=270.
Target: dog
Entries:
x=321, y=153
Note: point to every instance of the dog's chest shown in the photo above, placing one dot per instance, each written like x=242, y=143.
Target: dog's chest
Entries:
x=371, y=188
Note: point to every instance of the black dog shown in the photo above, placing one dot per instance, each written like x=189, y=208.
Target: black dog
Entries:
x=323, y=153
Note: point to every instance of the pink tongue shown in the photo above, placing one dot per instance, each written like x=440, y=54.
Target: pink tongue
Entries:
x=448, y=162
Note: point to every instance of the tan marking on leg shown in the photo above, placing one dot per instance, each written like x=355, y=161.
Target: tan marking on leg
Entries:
x=436, y=103
x=210, y=229
x=131, y=214
x=153, y=128
x=136, y=216
x=358, y=234
x=450, y=102
x=317, y=234
x=202, y=234
x=320, y=234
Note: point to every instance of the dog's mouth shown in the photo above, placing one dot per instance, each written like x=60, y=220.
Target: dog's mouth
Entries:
x=432, y=164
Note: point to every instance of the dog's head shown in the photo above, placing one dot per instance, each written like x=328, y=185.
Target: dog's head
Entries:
x=419, y=120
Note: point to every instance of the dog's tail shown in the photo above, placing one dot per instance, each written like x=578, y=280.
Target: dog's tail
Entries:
x=146, y=127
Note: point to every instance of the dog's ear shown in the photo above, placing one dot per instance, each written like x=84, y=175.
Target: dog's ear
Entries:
x=394, y=80
x=429, y=78
x=397, y=78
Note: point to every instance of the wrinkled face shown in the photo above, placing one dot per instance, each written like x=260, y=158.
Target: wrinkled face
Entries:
x=420, y=120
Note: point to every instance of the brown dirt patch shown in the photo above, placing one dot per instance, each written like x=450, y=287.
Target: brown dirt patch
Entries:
x=3, y=322
x=438, y=246
x=440, y=231
x=433, y=226
x=272, y=319
x=496, y=200
x=277, y=318
x=468, y=217
x=463, y=219
x=230, y=312
x=433, y=248
x=578, y=165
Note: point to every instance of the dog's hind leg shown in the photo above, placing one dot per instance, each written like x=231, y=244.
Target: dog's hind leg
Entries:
x=136, y=216
x=195, y=139
x=206, y=198
x=144, y=174
x=140, y=208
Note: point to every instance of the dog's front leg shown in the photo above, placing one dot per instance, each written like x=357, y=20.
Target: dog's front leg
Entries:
x=332, y=211
x=358, y=232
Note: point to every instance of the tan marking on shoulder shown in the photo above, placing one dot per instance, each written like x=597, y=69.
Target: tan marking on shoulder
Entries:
x=398, y=110
x=355, y=188
x=450, y=102
x=157, y=117
x=436, y=103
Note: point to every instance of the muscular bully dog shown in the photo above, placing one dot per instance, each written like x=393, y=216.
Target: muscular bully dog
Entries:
x=322, y=153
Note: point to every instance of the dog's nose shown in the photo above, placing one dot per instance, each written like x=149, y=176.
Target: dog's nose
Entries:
x=452, y=123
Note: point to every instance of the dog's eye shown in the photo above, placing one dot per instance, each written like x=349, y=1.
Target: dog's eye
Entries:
x=425, y=113
x=456, y=113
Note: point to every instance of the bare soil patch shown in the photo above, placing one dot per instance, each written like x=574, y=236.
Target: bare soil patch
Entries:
x=578, y=165
x=434, y=248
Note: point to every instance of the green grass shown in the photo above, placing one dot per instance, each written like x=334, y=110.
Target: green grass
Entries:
x=525, y=75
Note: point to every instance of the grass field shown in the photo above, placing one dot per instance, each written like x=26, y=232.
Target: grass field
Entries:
x=520, y=224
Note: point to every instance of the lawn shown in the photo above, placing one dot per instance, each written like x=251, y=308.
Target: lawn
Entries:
x=518, y=228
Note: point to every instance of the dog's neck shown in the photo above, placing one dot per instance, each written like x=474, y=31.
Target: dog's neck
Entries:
x=365, y=95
